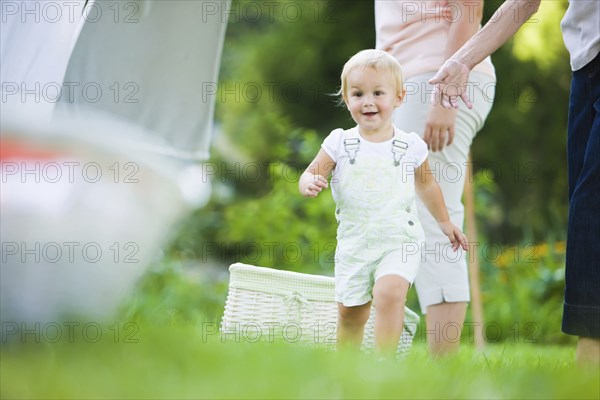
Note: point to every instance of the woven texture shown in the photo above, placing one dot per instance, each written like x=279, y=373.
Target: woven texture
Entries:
x=265, y=304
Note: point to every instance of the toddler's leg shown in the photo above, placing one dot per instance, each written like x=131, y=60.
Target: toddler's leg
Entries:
x=351, y=323
x=389, y=294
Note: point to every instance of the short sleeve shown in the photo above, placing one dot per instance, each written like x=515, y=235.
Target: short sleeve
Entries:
x=418, y=149
x=332, y=144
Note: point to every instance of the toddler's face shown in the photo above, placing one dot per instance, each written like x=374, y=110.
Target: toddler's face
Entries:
x=371, y=99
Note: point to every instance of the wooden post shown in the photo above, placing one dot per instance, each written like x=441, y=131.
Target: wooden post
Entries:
x=473, y=258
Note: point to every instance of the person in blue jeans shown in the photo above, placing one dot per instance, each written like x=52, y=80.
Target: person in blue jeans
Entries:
x=581, y=33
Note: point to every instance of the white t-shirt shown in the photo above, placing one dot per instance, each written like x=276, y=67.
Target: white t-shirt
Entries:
x=415, y=155
x=581, y=31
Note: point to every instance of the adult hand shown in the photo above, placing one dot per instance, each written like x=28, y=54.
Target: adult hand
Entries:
x=450, y=84
x=439, y=127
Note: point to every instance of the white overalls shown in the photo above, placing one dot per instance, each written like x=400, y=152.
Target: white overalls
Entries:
x=379, y=232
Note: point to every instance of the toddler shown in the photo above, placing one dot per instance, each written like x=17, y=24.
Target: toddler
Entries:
x=376, y=171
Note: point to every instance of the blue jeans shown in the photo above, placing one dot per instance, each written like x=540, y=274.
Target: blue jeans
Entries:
x=581, y=314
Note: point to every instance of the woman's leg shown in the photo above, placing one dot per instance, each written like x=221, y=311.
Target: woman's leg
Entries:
x=444, y=325
x=389, y=295
x=351, y=324
x=442, y=282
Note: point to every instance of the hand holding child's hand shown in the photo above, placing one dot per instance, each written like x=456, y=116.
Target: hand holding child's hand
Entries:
x=314, y=187
x=457, y=238
x=450, y=84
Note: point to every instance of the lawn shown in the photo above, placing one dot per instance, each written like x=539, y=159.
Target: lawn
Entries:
x=131, y=361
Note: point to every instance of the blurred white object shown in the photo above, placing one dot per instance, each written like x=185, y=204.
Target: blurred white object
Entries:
x=157, y=68
x=35, y=48
x=80, y=220
x=152, y=63
x=106, y=108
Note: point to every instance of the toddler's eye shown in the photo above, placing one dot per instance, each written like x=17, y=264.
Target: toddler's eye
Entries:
x=378, y=93
x=357, y=94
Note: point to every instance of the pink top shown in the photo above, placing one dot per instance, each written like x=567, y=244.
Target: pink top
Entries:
x=415, y=32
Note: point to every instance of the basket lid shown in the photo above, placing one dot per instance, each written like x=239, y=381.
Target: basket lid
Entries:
x=283, y=283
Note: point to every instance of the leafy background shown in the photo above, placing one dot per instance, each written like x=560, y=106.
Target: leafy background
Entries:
x=274, y=108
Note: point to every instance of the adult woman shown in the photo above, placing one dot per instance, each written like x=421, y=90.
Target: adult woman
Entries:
x=422, y=35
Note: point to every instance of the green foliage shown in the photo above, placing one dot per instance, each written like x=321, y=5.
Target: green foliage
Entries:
x=299, y=235
x=296, y=64
x=171, y=294
x=274, y=110
x=522, y=290
x=522, y=284
x=524, y=138
x=537, y=39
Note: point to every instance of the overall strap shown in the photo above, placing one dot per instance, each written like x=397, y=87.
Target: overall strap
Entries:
x=399, y=146
x=351, y=143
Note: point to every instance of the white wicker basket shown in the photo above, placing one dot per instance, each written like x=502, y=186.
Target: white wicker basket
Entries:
x=265, y=304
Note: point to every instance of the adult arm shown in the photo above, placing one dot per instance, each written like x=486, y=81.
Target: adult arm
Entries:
x=466, y=19
x=451, y=79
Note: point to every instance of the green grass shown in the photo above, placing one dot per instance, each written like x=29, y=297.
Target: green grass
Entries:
x=178, y=362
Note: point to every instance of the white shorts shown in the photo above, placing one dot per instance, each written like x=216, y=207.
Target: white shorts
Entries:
x=443, y=275
x=358, y=268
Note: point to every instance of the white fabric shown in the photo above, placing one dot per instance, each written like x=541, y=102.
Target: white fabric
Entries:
x=581, y=31
x=165, y=65
x=36, y=41
x=379, y=233
x=153, y=64
x=443, y=275
x=334, y=147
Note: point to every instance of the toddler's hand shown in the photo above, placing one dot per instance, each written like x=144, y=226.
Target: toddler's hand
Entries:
x=457, y=238
x=314, y=187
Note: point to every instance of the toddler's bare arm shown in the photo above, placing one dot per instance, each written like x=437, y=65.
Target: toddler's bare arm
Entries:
x=430, y=193
x=314, y=179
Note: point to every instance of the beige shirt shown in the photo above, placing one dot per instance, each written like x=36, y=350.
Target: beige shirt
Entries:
x=416, y=32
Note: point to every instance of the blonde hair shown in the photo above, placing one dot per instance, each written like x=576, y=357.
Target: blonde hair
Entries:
x=376, y=59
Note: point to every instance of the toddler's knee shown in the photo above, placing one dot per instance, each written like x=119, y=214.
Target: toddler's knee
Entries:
x=387, y=298
x=351, y=317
